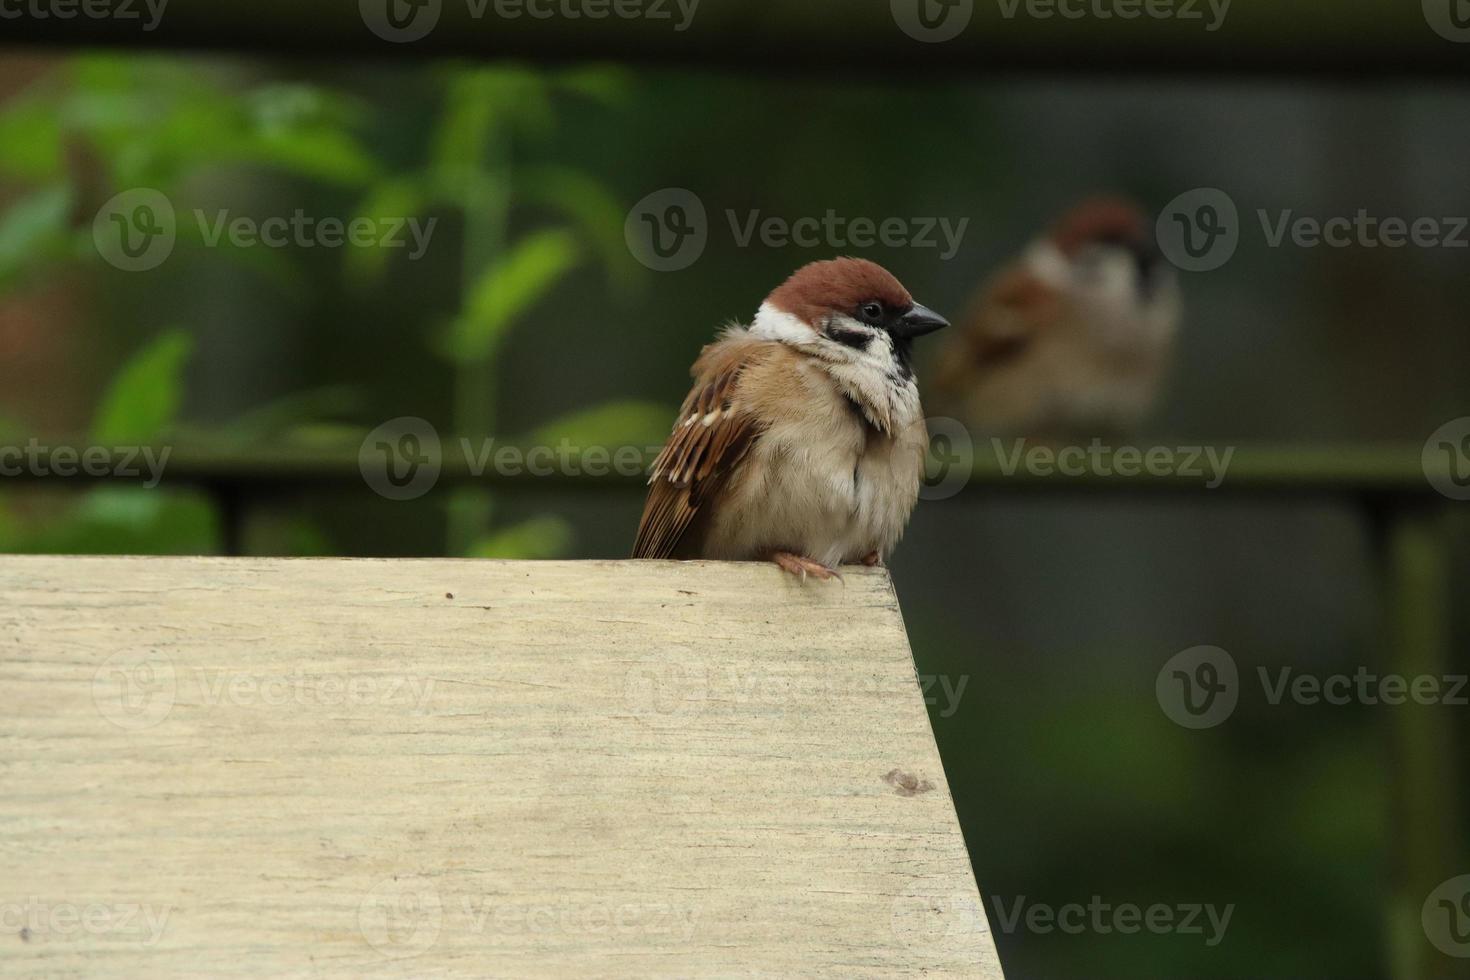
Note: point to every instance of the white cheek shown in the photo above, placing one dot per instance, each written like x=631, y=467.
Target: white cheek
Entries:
x=1048, y=264
x=774, y=324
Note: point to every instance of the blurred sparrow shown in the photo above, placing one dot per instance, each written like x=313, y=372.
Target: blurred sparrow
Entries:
x=1071, y=340
x=802, y=441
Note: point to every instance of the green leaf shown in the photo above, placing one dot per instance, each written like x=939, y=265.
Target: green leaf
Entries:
x=607, y=85
x=511, y=286
x=34, y=229
x=127, y=521
x=322, y=154
x=400, y=197
x=143, y=400
x=538, y=538
x=276, y=417
x=615, y=424
x=30, y=141
x=591, y=206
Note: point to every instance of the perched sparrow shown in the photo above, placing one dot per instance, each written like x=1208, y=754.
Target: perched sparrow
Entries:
x=1071, y=340
x=802, y=441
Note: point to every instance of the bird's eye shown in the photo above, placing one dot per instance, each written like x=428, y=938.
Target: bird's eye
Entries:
x=872, y=312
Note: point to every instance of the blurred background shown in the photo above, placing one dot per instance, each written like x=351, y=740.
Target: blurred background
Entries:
x=529, y=319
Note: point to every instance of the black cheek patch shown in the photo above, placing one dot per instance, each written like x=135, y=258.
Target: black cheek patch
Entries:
x=856, y=339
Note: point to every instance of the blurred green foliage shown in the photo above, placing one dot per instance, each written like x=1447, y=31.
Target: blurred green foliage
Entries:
x=103, y=125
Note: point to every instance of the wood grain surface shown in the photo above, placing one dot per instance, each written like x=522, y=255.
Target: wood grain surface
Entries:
x=469, y=768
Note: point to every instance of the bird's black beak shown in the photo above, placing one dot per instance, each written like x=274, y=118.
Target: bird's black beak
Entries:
x=917, y=322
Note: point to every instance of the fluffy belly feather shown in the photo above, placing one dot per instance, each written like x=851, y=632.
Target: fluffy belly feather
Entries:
x=836, y=504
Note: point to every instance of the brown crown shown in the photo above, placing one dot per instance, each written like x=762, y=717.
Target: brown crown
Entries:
x=1100, y=219
x=841, y=285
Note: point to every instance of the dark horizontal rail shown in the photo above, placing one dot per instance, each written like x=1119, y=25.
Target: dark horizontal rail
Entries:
x=1324, y=471
x=1349, y=41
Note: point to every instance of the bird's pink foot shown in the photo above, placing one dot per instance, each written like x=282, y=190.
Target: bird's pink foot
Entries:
x=802, y=566
x=873, y=560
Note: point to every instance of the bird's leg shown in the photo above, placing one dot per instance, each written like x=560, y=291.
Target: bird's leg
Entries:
x=802, y=566
x=873, y=560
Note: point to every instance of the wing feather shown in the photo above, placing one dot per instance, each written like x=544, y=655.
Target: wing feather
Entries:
x=713, y=432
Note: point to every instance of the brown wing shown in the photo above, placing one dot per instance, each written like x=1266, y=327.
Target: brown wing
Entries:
x=713, y=432
x=1016, y=308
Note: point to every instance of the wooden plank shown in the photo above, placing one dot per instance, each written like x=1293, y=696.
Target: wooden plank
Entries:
x=466, y=768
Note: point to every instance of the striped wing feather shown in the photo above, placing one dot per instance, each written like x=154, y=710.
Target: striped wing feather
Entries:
x=712, y=434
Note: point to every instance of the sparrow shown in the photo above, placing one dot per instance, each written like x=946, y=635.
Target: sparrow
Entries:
x=1072, y=339
x=802, y=441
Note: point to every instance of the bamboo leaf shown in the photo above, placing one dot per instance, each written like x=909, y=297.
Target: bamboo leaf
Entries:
x=143, y=400
x=511, y=286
